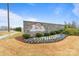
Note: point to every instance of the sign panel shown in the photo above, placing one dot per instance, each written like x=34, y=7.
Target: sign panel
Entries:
x=37, y=27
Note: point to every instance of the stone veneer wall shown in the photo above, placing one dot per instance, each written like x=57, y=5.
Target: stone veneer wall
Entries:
x=27, y=26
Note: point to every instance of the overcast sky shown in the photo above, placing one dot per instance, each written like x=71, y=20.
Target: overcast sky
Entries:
x=42, y=12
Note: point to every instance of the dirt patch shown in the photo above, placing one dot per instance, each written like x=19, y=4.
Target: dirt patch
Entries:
x=15, y=47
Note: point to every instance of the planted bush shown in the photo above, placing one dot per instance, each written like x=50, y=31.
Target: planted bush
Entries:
x=46, y=34
x=59, y=31
x=26, y=36
x=39, y=35
x=52, y=33
x=71, y=31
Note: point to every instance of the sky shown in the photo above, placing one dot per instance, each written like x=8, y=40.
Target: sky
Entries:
x=56, y=13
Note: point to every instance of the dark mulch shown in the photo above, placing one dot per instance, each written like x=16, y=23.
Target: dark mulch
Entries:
x=20, y=38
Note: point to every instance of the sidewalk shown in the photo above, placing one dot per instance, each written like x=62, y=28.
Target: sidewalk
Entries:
x=4, y=36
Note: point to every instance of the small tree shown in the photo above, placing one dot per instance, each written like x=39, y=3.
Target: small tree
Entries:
x=70, y=25
x=73, y=24
x=65, y=26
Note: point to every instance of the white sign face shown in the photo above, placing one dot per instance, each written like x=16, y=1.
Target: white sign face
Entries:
x=37, y=27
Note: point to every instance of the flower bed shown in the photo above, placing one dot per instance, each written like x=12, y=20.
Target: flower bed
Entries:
x=46, y=39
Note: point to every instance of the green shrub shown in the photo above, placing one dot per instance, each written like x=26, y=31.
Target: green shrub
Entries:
x=39, y=35
x=57, y=32
x=52, y=33
x=26, y=36
x=66, y=32
x=46, y=34
x=71, y=31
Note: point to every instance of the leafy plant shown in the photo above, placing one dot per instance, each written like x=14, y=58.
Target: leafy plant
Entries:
x=58, y=31
x=71, y=31
x=46, y=34
x=26, y=36
x=39, y=35
x=52, y=33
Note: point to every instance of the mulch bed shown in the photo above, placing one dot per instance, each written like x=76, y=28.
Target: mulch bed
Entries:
x=20, y=38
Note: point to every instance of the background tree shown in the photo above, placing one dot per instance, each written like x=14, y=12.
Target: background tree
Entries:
x=17, y=29
x=73, y=24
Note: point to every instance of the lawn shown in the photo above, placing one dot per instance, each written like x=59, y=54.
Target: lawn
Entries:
x=11, y=46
